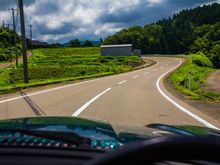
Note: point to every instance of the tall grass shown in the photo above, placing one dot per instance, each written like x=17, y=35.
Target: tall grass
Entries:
x=61, y=64
x=199, y=66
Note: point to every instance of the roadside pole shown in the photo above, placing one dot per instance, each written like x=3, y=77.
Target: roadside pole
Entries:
x=14, y=28
x=24, y=46
x=190, y=77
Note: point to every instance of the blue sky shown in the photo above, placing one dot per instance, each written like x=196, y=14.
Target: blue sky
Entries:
x=62, y=20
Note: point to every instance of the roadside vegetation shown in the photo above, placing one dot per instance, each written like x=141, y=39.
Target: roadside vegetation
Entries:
x=199, y=66
x=64, y=64
x=7, y=44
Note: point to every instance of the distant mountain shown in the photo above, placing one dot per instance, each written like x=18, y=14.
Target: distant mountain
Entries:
x=95, y=43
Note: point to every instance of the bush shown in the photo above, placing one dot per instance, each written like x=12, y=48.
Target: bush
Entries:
x=4, y=54
x=201, y=60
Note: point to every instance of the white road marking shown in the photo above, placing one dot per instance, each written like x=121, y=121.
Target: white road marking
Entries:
x=199, y=119
x=122, y=82
x=136, y=76
x=62, y=87
x=82, y=108
x=145, y=73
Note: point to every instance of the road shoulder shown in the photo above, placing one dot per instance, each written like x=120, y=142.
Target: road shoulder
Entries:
x=212, y=83
x=210, y=109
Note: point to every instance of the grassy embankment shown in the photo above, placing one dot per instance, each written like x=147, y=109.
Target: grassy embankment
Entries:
x=199, y=66
x=48, y=66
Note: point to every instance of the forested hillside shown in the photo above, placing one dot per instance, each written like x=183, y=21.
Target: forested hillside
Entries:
x=191, y=30
x=7, y=44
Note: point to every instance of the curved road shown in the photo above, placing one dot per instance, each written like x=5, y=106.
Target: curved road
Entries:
x=135, y=98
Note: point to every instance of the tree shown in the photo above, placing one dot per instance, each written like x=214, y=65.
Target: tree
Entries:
x=208, y=42
x=7, y=44
x=100, y=41
x=88, y=43
x=74, y=43
x=174, y=35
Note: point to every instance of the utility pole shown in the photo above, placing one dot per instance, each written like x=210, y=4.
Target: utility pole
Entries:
x=30, y=37
x=14, y=28
x=24, y=46
x=10, y=43
x=3, y=23
x=189, y=81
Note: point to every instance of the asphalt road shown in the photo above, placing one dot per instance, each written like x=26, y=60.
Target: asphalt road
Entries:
x=136, y=98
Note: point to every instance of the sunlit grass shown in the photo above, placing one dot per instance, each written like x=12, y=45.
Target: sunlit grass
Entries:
x=200, y=67
x=65, y=64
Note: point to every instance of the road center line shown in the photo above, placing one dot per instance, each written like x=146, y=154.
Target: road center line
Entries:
x=199, y=119
x=122, y=82
x=82, y=108
x=136, y=76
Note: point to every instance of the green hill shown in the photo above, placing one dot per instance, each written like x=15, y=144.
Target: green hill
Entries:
x=191, y=30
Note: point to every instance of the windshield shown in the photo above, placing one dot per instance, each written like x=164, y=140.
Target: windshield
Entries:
x=106, y=70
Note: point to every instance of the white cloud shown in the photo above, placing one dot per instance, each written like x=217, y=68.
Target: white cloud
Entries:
x=107, y=29
x=154, y=2
x=60, y=20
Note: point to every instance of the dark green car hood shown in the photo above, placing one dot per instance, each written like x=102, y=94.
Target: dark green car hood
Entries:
x=104, y=132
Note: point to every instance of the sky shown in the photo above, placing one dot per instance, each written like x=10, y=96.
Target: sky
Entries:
x=62, y=20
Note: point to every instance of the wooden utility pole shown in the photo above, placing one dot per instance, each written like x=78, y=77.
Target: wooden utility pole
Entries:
x=14, y=28
x=24, y=46
x=3, y=23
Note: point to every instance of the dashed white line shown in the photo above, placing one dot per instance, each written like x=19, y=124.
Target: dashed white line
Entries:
x=199, y=119
x=136, y=76
x=82, y=108
x=145, y=73
x=122, y=82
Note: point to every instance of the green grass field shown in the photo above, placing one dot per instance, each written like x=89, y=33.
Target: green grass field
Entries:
x=199, y=66
x=64, y=64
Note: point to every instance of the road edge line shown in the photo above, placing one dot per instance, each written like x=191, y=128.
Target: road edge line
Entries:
x=204, y=122
x=82, y=108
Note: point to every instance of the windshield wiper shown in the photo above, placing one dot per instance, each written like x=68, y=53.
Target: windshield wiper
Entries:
x=68, y=137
